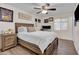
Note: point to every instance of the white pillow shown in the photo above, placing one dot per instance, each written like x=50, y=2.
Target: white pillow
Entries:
x=22, y=29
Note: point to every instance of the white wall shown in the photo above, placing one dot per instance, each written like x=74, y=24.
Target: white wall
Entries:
x=36, y=24
x=76, y=37
x=62, y=34
x=6, y=25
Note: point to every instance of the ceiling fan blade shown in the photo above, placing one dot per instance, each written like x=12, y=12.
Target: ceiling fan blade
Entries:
x=36, y=8
x=53, y=9
x=38, y=12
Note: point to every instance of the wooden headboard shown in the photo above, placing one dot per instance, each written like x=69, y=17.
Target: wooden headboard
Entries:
x=22, y=24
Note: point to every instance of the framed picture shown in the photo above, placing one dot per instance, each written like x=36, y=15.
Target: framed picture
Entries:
x=24, y=16
x=39, y=21
x=50, y=19
x=35, y=19
x=45, y=20
x=6, y=15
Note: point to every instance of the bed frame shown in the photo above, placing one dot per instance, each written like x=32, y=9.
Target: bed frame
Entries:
x=34, y=48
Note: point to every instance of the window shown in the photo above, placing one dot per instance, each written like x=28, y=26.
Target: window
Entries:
x=60, y=24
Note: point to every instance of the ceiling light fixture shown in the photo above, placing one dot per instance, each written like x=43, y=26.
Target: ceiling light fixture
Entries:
x=44, y=11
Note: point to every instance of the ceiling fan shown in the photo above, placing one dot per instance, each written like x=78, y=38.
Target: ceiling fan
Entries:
x=44, y=9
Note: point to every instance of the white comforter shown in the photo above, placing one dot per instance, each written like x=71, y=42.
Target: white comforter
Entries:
x=40, y=38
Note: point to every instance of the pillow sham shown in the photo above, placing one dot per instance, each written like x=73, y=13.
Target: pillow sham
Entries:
x=22, y=29
x=30, y=29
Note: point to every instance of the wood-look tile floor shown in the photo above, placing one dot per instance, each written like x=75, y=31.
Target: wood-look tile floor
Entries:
x=65, y=47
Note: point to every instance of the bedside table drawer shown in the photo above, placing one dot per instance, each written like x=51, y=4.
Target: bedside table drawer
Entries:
x=9, y=44
x=8, y=41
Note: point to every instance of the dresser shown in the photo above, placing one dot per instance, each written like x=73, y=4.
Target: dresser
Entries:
x=8, y=41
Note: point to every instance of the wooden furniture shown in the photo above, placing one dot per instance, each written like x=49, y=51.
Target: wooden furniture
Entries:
x=49, y=50
x=22, y=24
x=8, y=41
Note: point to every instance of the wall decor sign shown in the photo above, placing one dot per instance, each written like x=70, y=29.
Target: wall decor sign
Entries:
x=24, y=16
x=6, y=15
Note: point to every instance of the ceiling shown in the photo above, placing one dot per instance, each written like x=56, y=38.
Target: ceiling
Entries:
x=61, y=8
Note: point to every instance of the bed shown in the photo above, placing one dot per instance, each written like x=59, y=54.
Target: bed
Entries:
x=39, y=42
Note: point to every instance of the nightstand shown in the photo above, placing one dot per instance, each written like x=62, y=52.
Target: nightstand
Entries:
x=8, y=41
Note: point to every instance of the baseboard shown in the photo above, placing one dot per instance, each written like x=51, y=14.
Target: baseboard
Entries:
x=76, y=48
x=66, y=39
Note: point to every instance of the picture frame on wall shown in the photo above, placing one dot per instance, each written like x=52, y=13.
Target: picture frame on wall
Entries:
x=45, y=20
x=24, y=16
x=50, y=19
x=6, y=15
x=39, y=21
x=35, y=19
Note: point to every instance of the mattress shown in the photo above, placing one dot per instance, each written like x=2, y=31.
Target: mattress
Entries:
x=41, y=38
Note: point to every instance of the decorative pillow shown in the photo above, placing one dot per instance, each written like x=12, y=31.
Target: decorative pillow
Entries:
x=30, y=29
x=22, y=29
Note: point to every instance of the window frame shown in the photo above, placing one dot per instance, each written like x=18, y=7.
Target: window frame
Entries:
x=66, y=21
